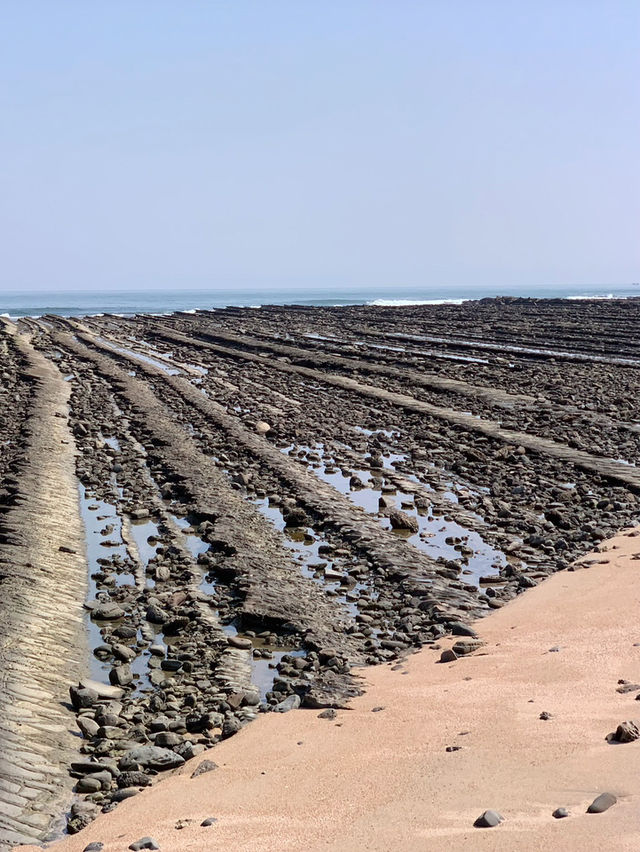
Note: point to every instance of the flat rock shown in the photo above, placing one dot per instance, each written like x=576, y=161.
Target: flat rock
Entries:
x=154, y=757
x=144, y=843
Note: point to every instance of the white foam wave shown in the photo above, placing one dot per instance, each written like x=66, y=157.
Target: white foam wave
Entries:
x=596, y=296
x=402, y=303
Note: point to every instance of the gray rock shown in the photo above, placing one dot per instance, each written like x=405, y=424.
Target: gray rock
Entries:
x=209, y=821
x=560, y=813
x=121, y=675
x=290, y=703
x=156, y=615
x=89, y=784
x=82, y=698
x=467, y=646
x=102, y=690
x=96, y=846
x=448, y=656
x=602, y=803
x=626, y=732
x=239, y=642
x=402, y=521
x=144, y=843
x=107, y=612
x=88, y=726
x=153, y=757
x=132, y=779
x=125, y=793
x=458, y=628
x=168, y=738
x=328, y=714
x=489, y=819
x=205, y=766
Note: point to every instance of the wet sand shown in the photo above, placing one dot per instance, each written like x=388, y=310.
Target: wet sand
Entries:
x=384, y=780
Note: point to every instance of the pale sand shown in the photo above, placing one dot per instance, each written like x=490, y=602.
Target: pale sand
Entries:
x=383, y=781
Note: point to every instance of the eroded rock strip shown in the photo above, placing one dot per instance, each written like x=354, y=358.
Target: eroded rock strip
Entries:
x=42, y=587
x=612, y=469
x=273, y=588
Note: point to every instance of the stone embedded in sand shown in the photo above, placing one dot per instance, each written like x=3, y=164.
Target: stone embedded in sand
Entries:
x=489, y=819
x=602, y=803
x=448, y=656
x=467, y=646
x=560, y=813
x=144, y=843
x=626, y=732
x=330, y=713
x=209, y=821
x=94, y=847
x=205, y=766
x=459, y=628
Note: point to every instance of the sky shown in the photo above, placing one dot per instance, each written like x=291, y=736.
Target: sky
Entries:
x=355, y=143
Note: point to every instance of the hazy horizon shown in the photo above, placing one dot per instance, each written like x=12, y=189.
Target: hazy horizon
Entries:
x=364, y=145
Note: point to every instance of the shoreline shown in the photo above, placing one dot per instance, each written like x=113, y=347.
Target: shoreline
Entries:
x=381, y=780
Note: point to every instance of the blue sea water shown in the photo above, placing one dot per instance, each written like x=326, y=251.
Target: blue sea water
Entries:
x=87, y=302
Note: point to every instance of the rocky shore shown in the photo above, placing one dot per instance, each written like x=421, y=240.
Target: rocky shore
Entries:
x=250, y=506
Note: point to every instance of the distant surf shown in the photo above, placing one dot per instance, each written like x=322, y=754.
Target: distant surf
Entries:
x=72, y=303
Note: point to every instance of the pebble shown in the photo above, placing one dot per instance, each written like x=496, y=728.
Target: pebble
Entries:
x=448, y=656
x=560, y=813
x=602, y=803
x=209, y=821
x=96, y=846
x=330, y=713
x=489, y=819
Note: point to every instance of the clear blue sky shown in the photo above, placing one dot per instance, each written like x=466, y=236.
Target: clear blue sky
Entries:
x=192, y=144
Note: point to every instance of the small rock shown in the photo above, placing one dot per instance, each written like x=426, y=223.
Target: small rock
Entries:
x=489, y=819
x=96, y=846
x=377, y=709
x=205, y=766
x=239, y=642
x=560, y=813
x=453, y=748
x=290, y=703
x=458, y=628
x=330, y=713
x=144, y=843
x=209, y=821
x=602, y=803
x=545, y=715
x=626, y=732
x=448, y=656
x=182, y=823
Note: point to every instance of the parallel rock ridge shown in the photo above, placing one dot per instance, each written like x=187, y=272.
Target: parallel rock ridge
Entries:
x=42, y=646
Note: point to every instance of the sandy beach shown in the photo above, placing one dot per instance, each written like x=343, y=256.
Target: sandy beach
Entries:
x=379, y=776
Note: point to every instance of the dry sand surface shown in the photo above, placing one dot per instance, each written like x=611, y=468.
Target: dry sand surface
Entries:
x=384, y=780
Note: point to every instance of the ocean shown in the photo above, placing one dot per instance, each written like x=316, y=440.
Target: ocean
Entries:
x=91, y=302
